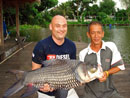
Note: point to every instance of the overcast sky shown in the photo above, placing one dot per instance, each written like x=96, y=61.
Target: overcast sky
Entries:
x=118, y=4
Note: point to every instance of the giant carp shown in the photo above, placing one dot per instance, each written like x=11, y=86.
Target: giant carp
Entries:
x=59, y=74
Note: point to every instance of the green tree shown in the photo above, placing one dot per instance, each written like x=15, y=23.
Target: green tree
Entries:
x=107, y=6
x=79, y=8
x=30, y=12
x=37, y=13
x=46, y=4
x=121, y=15
x=63, y=9
x=94, y=9
x=101, y=16
x=128, y=13
x=9, y=16
x=33, y=12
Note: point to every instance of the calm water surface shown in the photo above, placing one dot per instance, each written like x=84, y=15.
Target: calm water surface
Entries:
x=119, y=35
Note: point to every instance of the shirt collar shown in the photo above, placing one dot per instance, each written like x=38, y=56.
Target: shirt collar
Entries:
x=91, y=51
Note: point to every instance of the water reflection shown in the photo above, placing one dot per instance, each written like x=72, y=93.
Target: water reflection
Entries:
x=77, y=33
x=119, y=35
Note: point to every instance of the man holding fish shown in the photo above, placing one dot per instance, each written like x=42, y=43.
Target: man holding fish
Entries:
x=55, y=46
x=106, y=55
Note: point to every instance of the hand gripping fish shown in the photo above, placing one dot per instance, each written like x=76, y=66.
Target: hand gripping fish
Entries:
x=59, y=74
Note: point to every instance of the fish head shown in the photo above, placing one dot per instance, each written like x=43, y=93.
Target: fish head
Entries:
x=82, y=71
x=86, y=67
x=88, y=72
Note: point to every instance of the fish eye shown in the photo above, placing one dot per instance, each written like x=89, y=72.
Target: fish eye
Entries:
x=93, y=70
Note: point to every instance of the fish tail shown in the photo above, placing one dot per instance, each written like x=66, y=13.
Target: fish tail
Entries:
x=14, y=88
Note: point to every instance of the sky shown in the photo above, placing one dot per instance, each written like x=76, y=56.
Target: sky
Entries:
x=118, y=4
x=61, y=1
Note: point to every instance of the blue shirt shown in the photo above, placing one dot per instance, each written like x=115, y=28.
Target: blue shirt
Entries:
x=47, y=49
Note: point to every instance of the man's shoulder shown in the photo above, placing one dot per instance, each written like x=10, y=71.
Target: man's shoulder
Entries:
x=43, y=42
x=68, y=41
x=110, y=44
x=84, y=51
x=46, y=39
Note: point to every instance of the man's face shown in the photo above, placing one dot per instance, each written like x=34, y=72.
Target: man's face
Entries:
x=96, y=34
x=59, y=27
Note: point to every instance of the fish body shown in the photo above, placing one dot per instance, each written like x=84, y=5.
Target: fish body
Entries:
x=59, y=74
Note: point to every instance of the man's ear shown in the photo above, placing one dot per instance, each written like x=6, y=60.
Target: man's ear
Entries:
x=87, y=33
x=103, y=34
x=50, y=26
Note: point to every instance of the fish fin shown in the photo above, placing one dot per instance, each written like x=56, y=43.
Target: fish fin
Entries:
x=17, y=73
x=79, y=74
x=61, y=93
x=30, y=90
x=48, y=62
x=14, y=88
x=55, y=62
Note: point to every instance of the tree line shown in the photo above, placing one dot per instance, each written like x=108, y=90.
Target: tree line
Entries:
x=80, y=10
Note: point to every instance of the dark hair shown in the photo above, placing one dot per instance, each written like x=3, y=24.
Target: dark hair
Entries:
x=94, y=23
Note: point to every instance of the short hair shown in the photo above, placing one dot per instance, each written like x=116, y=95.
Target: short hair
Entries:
x=94, y=23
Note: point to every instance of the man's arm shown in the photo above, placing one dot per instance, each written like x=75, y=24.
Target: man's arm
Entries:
x=35, y=65
x=109, y=72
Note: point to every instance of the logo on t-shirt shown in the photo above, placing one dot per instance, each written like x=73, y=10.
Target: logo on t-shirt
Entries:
x=107, y=60
x=53, y=56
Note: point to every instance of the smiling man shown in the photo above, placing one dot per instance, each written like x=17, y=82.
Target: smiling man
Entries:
x=105, y=55
x=55, y=46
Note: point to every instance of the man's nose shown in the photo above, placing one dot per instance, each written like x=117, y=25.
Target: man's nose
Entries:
x=61, y=28
x=96, y=34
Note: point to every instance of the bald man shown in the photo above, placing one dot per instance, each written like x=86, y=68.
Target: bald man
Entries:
x=55, y=46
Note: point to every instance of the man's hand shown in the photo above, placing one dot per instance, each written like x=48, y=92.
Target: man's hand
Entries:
x=104, y=77
x=109, y=72
x=46, y=88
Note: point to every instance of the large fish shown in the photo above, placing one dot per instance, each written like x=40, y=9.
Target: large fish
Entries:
x=59, y=74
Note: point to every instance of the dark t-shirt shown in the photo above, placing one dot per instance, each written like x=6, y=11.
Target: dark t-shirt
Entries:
x=47, y=49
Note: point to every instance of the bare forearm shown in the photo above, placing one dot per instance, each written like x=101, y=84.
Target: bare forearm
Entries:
x=113, y=70
x=35, y=66
x=109, y=72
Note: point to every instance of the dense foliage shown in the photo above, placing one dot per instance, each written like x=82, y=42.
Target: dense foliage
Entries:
x=80, y=10
x=30, y=13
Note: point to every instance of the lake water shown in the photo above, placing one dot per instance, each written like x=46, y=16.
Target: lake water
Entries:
x=119, y=35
